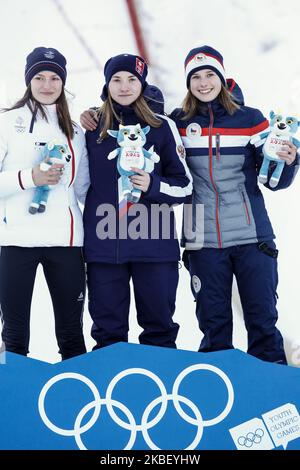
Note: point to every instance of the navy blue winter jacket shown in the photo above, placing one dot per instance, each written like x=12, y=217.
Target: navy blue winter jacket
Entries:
x=170, y=184
x=224, y=166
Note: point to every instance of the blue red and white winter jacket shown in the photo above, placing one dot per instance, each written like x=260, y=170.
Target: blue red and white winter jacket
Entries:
x=224, y=166
x=171, y=183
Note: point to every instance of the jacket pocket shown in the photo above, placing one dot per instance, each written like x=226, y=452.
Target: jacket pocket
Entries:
x=245, y=204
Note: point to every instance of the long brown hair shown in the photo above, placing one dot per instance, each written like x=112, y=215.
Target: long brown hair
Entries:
x=63, y=114
x=107, y=113
x=192, y=106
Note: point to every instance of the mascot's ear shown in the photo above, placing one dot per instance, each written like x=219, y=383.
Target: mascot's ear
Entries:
x=272, y=114
x=146, y=129
x=113, y=133
x=121, y=126
x=50, y=145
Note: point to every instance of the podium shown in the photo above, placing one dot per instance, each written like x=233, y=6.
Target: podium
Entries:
x=136, y=397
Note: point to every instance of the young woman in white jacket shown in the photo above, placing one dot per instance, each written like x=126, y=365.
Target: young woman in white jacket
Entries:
x=50, y=232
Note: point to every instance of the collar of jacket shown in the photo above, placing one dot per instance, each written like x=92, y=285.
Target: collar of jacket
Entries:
x=123, y=110
x=217, y=108
x=126, y=115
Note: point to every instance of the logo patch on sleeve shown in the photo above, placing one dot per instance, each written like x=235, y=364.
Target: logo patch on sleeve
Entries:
x=180, y=151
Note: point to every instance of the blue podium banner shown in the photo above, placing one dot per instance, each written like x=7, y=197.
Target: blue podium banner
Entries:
x=135, y=397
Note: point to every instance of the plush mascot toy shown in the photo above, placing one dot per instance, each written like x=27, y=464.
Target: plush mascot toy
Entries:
x=282, y=129
x=131, y=154
x=53, y=152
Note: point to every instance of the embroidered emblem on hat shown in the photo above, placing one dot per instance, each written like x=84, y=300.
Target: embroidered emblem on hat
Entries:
x=180, y=151
x=139, y=66
x=200, y=58
x=193, y=130
x=196, y=283
x=49, y=55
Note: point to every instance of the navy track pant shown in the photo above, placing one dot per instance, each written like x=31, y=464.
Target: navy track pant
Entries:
x=65, y=275
x=212, y=273
x=155, y=286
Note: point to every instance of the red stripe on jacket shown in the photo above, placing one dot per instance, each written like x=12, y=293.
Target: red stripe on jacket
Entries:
x=72, y=228
x=71, y=181
x=231, y=131
x=73, y=161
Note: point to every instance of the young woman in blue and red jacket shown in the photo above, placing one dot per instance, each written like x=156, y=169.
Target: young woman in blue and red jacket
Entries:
x=216, y=129
x=151, y=261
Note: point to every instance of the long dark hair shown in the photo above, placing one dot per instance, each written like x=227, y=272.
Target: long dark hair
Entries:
x=64, y=119
x=192, y=106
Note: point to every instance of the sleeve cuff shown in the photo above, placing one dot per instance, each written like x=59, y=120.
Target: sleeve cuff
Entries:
x=25, y=179
x=296, y=161
x=153, y=190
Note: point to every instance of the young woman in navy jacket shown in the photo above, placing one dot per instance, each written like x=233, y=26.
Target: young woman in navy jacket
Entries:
x=236, y=238
x=150, y=260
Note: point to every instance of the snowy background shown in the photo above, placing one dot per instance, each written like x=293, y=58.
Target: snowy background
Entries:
x=259, y=42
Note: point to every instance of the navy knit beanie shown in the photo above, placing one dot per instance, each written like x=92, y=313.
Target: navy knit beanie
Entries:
x=44, y=58
x=133, y=64
x=204, y=57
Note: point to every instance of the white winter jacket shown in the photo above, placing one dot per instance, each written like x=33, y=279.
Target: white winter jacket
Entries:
x=21, y=143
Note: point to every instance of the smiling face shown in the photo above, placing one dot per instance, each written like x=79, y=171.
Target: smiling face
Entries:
x=205, y=85
x=46, y=87
x=124, y=88
x=283, y=124
x=131, y=136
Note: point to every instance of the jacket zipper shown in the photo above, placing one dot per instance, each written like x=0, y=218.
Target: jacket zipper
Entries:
x=118, y=208
x=246, y=207
x=211, y=123
x=218, y=151
x=117, y=215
